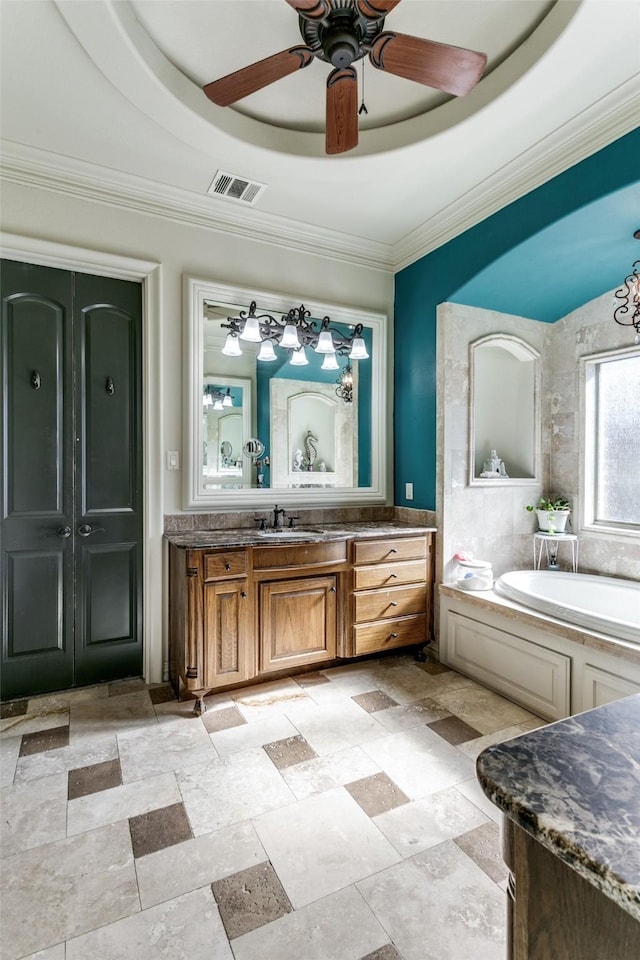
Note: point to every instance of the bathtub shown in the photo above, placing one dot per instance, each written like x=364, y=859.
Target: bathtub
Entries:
x=604, y=604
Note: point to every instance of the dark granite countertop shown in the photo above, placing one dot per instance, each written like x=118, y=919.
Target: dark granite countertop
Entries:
x=575, y=787
x=194, y=539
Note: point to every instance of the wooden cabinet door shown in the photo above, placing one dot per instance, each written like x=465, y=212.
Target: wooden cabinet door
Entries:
x=228, y=657
x=298, y=620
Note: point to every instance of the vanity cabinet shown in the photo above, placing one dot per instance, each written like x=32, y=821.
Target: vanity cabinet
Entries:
x=391, y=599
x=260, y=609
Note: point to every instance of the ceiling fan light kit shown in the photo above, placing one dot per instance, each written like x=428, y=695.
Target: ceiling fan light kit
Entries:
x=342, y=32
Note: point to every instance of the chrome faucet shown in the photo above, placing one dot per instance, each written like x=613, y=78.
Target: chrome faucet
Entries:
x=278, y=512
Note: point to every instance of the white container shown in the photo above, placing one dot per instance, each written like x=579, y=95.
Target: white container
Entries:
x=475, y=575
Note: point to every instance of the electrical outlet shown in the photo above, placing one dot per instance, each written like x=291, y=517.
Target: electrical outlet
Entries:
x=173, y=460
x=408, y=491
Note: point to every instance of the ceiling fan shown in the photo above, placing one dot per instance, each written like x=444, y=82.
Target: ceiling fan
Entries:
x=342, y=32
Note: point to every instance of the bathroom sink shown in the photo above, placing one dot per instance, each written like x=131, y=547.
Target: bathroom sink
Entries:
x=290, y=533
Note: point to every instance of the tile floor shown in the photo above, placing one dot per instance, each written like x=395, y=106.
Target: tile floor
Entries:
x=334, y=816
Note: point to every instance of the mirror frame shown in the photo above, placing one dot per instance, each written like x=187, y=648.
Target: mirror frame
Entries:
x=512, y=344
x=196, y=293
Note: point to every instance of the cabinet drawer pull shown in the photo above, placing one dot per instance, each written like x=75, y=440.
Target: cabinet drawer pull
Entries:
x=392, y=636
x=243, y=595
x=392, y=576
x=227, y=566
x=392, y=603
x=393, y=550
x=332, y=589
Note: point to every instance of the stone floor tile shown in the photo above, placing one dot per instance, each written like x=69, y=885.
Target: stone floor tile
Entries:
x=188, y=927
x=64, y=698
x=471, y=790
x=419, y=761
x=409, y=715
x=337, y=927
x=473, y=748
x=325, y=773
x=454, y=730
x=159, y=829
x=130, y=685
x=63, y=889
x=34, y=721
x=222, y=719
x=446, y=926
x=197, y=862
x=92, y=779
x=481, y=708
x=311, y=679
x=63, y=759
x=433, y=668
x=287, y=752
x=374, y=701
x=249, y=899
x=321, y=844
x=162, y=748
x=421, y=824
x=405, y=684
x=231, y=789
x=262, y=701
x=50, y=739
x=13, y=708
x=388, y=952
x=344, y=685
x=161, y=694
x=33, y=814
x=333, y=726
x=9, y=752
x=120, y=803
x=56, y=952
x=255, y=733
x=483, y=846
x=111, y=715
x=376, y=794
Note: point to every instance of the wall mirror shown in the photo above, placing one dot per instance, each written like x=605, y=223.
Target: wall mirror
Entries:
x=318, y=429
x=504, y=411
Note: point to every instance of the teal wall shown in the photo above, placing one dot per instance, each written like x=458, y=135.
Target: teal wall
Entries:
x=542, y=256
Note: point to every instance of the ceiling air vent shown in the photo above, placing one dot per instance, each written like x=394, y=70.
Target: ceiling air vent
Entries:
x=235, y=188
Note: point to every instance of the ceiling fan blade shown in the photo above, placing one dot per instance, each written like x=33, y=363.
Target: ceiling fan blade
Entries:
x=311, y=9
x=452, y=69
x=376, y=9
x=342, y=110
x=241, y=83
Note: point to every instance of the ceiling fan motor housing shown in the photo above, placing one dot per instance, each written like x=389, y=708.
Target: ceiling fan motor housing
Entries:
x=343, y=37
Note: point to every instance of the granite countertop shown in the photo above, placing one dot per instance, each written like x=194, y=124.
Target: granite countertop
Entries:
x=575, y=787
x=324, y=532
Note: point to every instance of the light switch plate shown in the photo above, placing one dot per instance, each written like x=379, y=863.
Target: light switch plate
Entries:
x=408, y=491
x=173, y=460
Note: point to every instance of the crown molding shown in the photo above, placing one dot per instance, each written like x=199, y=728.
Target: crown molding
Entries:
x=31, y=167
x=589, y=131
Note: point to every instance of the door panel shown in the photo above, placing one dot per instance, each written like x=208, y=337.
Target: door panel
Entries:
x=36, y=468
x=108, y=635
x=70, y=464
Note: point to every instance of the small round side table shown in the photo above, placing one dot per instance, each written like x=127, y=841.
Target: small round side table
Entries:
x=549, y=545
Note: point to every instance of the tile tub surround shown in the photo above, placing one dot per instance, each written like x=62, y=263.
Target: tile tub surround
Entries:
x=574, y=786
x=182, y=835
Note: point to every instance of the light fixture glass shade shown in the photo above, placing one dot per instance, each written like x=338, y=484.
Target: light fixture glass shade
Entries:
x=251, y=330
x=325, y=343
x=218, y=404
x=232, y=346
x=330, y=362
x=358, y=349
x=299, y=358
x=290, y=337
x=266, y=351
x=227, y=401
x=207, y=400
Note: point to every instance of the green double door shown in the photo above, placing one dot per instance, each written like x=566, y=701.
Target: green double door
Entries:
x=71, y=467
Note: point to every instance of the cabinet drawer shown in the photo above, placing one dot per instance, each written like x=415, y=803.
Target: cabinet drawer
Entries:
x=299, y=554
x=389, y=574
x=389, y=633
x=396, y=548
x=232, y=563
x=395, y=602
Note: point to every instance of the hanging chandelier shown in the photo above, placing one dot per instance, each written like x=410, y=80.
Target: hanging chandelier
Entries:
x=217, y=399
x=294, y=332
x=627, y=313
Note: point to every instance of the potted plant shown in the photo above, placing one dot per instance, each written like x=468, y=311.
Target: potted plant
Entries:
x=552, y=514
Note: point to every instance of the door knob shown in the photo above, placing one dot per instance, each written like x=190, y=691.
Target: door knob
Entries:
x=64, y=532
x=85, y=530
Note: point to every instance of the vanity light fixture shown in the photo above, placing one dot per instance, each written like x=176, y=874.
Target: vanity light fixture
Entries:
x=627, y=313
x=218, y=399
x=345, y=384
x=294, y=332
